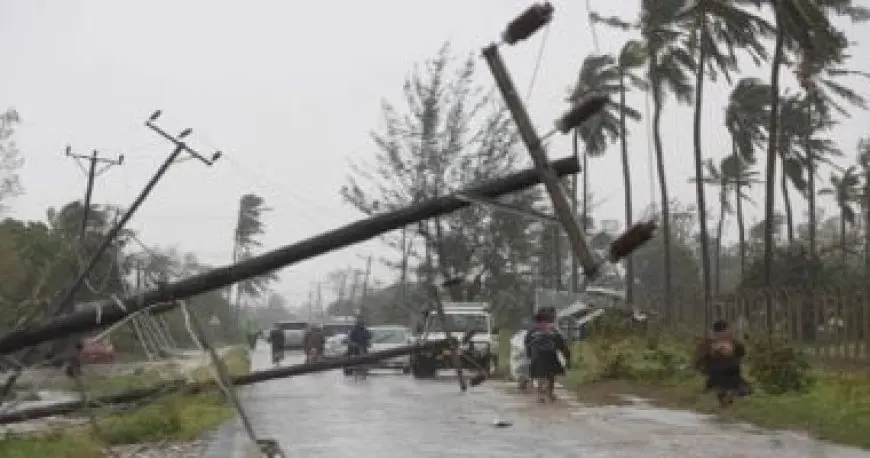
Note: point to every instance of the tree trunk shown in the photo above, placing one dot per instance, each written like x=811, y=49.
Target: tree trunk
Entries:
x=811, y=180
x=843, y=259
x=789, y=215
x=699, y=173
x=626, y=180
x=575, y=268
x=770, y=174
x=741, y=229
x=663, y=184
x=866, y=201
x=717, y=285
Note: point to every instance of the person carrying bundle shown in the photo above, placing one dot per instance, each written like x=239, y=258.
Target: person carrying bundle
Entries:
x=543, y=344
x=719, y=358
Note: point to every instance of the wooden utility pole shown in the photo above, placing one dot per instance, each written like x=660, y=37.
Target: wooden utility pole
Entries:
x=310, y=302
x=365, y=286
x=403, y=278
x=66, y=298
x=320, y=298
x=519, y=29
x=92, y=172
x=164, y=299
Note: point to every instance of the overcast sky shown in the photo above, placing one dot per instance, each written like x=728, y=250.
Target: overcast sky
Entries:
x=289, y=91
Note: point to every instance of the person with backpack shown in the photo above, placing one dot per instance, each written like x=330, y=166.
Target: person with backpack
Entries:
x=543, y=344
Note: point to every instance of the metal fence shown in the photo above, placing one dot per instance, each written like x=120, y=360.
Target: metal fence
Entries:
x=832, y=323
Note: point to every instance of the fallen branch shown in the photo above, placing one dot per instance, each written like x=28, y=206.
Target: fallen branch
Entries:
x=187, y=388
x=106, y=313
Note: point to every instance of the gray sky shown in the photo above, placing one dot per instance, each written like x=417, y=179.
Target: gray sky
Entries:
x=289, y=91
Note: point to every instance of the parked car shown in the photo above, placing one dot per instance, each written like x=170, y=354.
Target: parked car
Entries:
x=335, y=346
x=98, y=351
x=389, y=337
x=294, y=333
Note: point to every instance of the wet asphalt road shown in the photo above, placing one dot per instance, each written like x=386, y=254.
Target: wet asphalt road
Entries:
x=393, y=416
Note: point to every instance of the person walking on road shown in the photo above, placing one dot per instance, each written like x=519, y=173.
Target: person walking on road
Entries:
x=543, y=344
x=359, y=339
x=276, y=338
x=314, y=341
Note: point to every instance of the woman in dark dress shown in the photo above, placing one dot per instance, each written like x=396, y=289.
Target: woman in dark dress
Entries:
x=543, y=344
x=719, y=357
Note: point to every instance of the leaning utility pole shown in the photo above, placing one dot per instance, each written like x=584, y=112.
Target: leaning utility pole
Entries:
x=365, y=286
x=180, y=147
x=66, y=299
x=519, y=29
x=92, y=172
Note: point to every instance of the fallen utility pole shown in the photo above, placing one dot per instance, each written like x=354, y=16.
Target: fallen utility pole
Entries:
x=108, y=312
x=184, y=386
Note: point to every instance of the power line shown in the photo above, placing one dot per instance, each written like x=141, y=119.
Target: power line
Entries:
x=592, y=27
x=538, y=62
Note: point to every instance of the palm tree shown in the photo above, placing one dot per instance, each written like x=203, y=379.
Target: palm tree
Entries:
x=797, y=136
x=864, y=162
x=668, y=65
x=745, y=118
x=604, y=75
x=249, y=226
x=732, y=174
x=845, y=190
x=791, y=120
x=801, y=26
x=817, y=75
x=739, y=174
x=718, y=29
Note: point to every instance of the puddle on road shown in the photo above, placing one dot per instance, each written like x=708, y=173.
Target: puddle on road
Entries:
x=639, y=409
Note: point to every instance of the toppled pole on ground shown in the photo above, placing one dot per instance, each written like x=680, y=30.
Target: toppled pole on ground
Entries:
x=183, y=386
x=108, y=312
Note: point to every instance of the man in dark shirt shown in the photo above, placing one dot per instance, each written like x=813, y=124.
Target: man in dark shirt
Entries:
x=276, y=338
x=359, y=339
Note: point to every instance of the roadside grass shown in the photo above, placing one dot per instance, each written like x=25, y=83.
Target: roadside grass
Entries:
x=826, y=404
x=173, y=418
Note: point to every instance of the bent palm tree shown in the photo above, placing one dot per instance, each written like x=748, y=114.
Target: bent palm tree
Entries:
x=801, y=26
x=817, y=75
x=717, y=30
x=845, y=190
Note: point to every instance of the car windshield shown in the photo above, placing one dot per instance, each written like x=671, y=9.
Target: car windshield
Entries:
x=460, y=323
x=389, y=335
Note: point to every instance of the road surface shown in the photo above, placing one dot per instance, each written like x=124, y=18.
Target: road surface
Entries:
x=394, y=416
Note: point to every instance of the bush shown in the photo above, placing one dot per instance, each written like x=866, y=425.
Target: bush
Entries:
x=631, y=358
x=777, y=366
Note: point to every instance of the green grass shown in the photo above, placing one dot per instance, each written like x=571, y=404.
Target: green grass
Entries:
x=835, y=407
x=174, y=418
